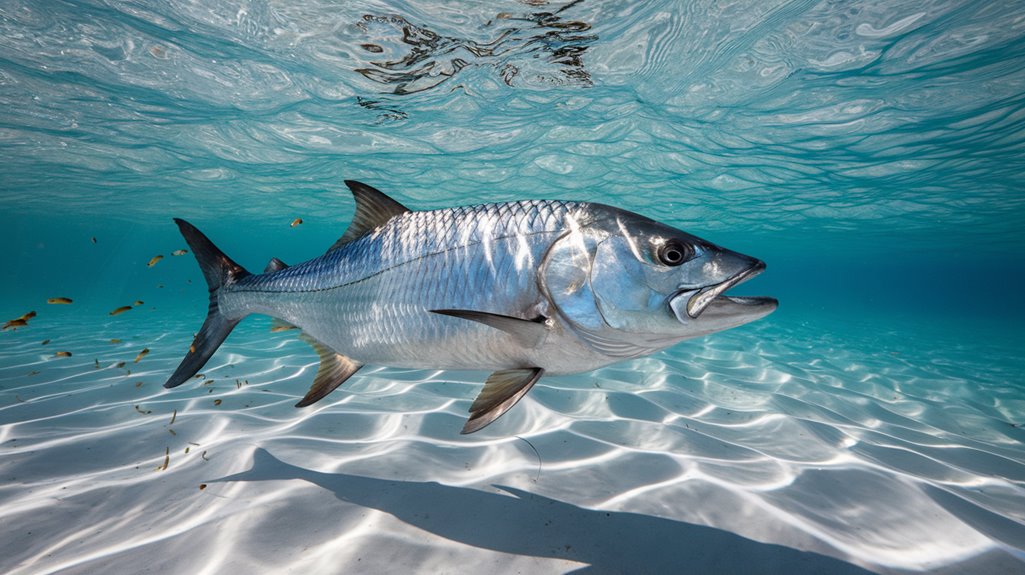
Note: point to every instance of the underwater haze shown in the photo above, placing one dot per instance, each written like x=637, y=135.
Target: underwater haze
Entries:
x=871, y=153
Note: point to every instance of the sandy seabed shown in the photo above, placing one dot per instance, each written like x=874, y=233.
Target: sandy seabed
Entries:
x=774, y=448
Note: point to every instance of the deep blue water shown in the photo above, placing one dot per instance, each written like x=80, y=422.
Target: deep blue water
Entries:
x=870, y=152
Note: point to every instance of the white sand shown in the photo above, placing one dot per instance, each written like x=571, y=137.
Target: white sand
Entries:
x=771, y=449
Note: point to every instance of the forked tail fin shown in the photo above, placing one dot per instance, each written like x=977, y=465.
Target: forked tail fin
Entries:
x=219, y=270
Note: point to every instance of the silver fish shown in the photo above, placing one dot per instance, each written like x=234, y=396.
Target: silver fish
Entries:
x=523, y=288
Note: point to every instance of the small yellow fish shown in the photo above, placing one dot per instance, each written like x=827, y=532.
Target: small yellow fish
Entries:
x=154, y=260
x=14, y=324
x=138, y=302
x=64, y=300
x=217, y=402
x=62, y=354
x=115, y=340
x=142, y=354
x=19, y=322
x=179, y=252
x=121, y=309
x=296, y=222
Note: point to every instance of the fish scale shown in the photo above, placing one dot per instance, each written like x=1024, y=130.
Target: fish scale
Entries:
x=461, y=258
x=521, y=288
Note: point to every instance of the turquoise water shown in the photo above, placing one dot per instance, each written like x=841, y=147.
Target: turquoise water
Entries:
x=870, y=153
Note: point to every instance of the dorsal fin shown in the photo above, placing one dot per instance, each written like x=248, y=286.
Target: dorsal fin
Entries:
x=373, y=209
x=274, y=265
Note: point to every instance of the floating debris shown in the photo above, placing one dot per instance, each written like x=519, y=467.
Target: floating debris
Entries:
x=217, y=402
x=138, y=384
x=121, y=310
x=153, y=261
x=296, y=222
x=146, y=412
x=167, y=459
x=62, y=354
x=172, y=432
x=59, y=300
x=115, y=340
x=173, y=417
x=141, y=355
x=45, y=341
x=202, y=486
x=138, y=302
x=187, y=448
x=179, y=252
x=203, y=455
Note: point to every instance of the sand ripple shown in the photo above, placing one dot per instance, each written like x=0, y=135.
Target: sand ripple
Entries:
x=840, y=459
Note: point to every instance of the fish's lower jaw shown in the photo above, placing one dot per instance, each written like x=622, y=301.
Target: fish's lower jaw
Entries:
x=699, y=301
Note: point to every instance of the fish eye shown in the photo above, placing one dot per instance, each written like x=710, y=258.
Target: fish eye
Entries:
x=674, y=253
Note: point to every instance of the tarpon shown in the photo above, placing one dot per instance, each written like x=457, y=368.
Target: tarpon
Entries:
x=521, y=288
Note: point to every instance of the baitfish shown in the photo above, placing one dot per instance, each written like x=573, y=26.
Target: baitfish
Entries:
x=522, y=288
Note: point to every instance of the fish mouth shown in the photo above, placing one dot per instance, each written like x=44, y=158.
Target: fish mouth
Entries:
x=699, y=300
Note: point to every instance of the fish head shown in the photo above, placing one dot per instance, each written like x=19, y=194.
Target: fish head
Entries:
x=621, y=277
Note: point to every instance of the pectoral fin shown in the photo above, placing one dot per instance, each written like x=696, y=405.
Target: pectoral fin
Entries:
x=501, y=391
x=528, y=332
x=334, y=369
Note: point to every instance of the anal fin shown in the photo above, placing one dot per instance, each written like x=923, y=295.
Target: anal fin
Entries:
x=501, y=391
x=277, y=325
x=334, y=369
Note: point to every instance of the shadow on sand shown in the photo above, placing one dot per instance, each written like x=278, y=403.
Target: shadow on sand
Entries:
x=526, y=524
